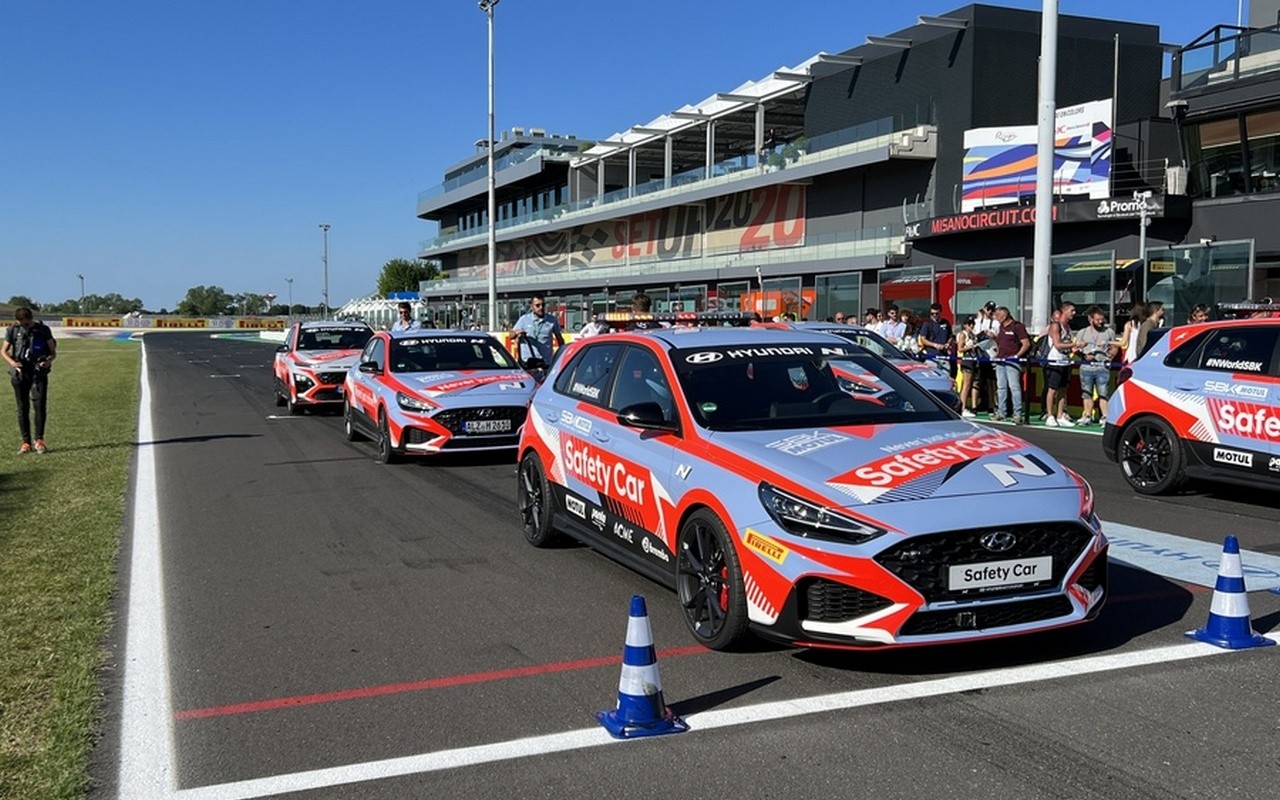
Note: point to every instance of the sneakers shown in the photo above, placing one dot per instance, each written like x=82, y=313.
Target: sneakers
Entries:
x=1052, y=422
x=967, y=414
x=1065, y=421
x=40, y=448
x=26, y=448
x=1085, y=421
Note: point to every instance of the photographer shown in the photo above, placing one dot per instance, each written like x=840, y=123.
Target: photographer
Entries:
x=1097, y=345
x=29, y=350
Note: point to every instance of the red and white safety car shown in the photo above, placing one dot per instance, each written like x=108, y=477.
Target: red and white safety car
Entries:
x=1202, y=402
x=311, y=365
x=800, y=486
x=419, y=392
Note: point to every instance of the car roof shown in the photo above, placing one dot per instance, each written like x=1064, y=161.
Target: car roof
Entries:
x=828, y=326
x=689, y=337
x=438, y=333
x=331, y=324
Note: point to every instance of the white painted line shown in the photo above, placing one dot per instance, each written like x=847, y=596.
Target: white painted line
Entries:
x=595, y=737
x=146, y=727
x=236, y=375
x=282, y=416
x=1186, y=560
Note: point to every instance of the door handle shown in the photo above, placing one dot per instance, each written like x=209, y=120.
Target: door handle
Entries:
x=599, y=435
x=1186, y=387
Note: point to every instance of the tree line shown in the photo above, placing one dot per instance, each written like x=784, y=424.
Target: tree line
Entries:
x=397, y=275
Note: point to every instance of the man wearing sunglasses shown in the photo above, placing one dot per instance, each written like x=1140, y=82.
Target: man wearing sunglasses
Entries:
x=540, y=328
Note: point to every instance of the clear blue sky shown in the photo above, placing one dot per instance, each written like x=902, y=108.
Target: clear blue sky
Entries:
x=157, y=145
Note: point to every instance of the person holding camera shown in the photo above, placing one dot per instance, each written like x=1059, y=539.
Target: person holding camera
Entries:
x=29, y=350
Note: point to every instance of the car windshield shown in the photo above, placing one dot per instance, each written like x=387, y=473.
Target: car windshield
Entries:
x=770, y=388
x=334, y=338
x=438, y=353
x=872, y=341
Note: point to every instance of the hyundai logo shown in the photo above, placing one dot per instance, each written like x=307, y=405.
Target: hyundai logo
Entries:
x=998, y=541
x=705, y=357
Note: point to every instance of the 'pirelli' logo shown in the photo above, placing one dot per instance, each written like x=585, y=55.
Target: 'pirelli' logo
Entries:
x=766, y=547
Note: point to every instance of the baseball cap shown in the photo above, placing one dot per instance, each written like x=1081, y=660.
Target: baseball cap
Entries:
x=990, y=304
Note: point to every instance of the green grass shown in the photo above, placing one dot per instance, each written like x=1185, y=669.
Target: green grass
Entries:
x=60, y=524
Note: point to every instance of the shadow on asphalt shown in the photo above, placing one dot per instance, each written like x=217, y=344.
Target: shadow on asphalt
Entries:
x=708, y=701
x=1139, y=602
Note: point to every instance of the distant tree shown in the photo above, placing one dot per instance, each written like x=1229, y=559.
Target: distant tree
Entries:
x=249, y=303
x=298, y=309
x=278, y=310
x=21, y=301
x=203, y=301
x=404, y=275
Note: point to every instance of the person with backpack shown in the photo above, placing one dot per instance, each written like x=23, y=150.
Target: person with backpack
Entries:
x=29, y=350
x=1057, y=368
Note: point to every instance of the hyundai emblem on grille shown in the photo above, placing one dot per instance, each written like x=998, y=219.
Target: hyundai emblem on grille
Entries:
x=998, y=541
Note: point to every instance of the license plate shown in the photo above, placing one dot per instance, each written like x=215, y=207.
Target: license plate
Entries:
x=995, y=574
x=486, y=425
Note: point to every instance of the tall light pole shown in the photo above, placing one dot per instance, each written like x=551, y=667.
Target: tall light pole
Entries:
x=487, y=7
x=290, y=282
x=80, y=275
x=324, y=228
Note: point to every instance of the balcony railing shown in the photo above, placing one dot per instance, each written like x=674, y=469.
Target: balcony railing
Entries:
x=858, y=138
x=1225, y=54
x=480, y=172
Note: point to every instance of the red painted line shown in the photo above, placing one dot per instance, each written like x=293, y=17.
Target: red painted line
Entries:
x=417, y=686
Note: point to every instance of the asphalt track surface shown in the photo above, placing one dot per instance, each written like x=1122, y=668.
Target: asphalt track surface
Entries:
x=323, y=611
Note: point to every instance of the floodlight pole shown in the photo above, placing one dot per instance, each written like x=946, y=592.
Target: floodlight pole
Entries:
x=487, y=7
x=290, y=282
x=1042, y=253
x=324, y=228
x=80, y=275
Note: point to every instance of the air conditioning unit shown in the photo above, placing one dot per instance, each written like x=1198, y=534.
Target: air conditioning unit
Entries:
x=517, y=131
x=538, y=132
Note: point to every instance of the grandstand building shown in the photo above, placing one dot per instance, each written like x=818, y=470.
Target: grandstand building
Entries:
x=894, y=171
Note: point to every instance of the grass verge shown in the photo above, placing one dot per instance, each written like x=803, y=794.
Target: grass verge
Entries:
x=60, y=523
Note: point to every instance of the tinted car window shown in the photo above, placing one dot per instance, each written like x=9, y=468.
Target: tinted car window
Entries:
x=333, y=339
x=641, y=380
x=1239, y=350
x=872, y=341
x=587, y=378
x=1188, y=354
x=430, y=354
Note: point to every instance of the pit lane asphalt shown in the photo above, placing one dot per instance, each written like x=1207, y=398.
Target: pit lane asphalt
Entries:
x=294, y=566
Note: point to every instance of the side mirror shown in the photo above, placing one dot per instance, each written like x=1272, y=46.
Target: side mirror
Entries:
x=284, y=348
x=646, y=416
x=369, y=367
x=534, y=363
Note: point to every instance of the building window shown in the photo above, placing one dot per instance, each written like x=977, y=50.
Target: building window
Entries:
x=732, y=297
x=1263, y=129
x=1217, y=160
x=838, y=293
x=1182, y=277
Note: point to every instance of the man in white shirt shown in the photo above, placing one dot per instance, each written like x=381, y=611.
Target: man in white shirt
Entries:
x=893, y=329
x=406, y=322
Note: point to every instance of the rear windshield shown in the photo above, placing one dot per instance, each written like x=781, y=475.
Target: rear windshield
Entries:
x=766, y=388
x=436, y=353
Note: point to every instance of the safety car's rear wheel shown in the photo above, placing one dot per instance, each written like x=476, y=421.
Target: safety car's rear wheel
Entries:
x=1151, y=456
x=534, y=499
x=709, y=582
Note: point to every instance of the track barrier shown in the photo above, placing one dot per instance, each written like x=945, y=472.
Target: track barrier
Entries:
x=1229, y=624
x=640, y=710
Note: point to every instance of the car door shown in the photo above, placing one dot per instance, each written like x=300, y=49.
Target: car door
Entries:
x=364, y=386
x=1238, y=373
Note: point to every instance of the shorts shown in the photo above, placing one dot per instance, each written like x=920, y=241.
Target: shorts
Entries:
x=1057, y=376
x=968, y=365
x=1095, y=378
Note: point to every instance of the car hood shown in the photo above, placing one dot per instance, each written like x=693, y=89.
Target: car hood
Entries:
x=863, y=465
x=928, y=375
x=328, y=359
x=475, y=385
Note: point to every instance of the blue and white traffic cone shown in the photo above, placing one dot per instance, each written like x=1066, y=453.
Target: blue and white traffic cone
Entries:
x=1228, y=624
x=640, y=710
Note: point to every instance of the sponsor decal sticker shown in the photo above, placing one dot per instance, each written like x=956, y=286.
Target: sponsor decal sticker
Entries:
x=1233, y=457
x=463, y=383
x=583, y=390
x=1236, y=389
x=654, y=550
x=803, y=443
x=1250, y=420
x=898, y=469
x=576, y=506
x=624, y=532
x=598, y=518
x=1237, y=365
x=577, y=422
x=1274, y=464
x=766, y=547
x=607, y=474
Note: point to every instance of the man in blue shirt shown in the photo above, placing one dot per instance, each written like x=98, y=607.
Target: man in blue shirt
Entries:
x=540, y=328
x=406, y=321
x=936, y=337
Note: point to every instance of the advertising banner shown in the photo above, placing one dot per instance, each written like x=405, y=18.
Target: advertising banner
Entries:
x=1000, y=163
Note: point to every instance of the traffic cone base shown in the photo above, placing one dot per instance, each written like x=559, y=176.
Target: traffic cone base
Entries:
x=640, y=710
x=1228, y=625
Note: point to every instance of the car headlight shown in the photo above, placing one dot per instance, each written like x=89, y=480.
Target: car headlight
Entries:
x=410, y=403
x=811, y=520
x=302, y=380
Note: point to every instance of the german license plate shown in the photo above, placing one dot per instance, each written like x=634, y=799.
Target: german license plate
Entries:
x=487, y=425
x=996, y=574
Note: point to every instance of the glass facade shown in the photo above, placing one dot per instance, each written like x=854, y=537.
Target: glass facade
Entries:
x=978, y=282
x=838, y=293
x=1235, y=155
x=912, y=288
x=1181, y=277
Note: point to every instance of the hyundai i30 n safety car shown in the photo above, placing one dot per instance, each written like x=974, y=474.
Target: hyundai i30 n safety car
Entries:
x=430, y=391
x=801, y=486
x=1202, y=402
x=926, y=373
x=312, y=364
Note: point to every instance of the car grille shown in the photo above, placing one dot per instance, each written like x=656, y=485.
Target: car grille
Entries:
x=331, y=378
x=827, y=601
x=922, y=561
x=327, y=396
x=998, y=615
x=454, y=418
x=1095, y=575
